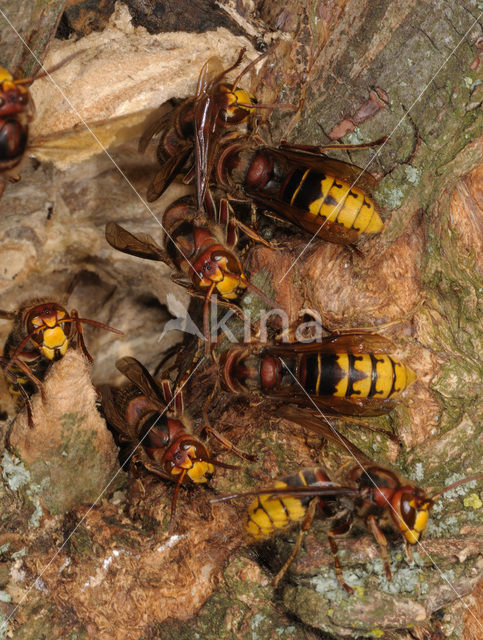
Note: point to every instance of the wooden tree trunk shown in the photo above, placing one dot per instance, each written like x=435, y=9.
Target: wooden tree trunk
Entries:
x=409, y=71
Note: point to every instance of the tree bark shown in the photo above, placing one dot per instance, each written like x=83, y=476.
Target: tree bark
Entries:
x=409, y=71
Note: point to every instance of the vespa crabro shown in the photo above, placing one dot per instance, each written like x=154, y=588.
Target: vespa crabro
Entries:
x=16, y=112
x=190, y=131
x=42, y=332
x=298, y=183
x=154, y=429
x=371, y=494
x=351, y=374
x=200, y=247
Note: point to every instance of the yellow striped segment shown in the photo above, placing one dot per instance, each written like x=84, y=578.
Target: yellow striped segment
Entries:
x=346, y=205
x=363, y=363
x=389, y=380
x=368, y=220
x=258, y=524
x=268, y=513
x=343, y=362
x=317, y=385
x=325, y=187
x=404, y=377
x=337, y=196
x=352, y=205
x=295, y=193
x=384, y=376
x=292, y=511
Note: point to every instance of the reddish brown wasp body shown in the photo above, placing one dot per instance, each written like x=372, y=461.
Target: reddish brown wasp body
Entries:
x=190, y=132
x=371, y=494
x=299, y=184
x=194, y=124
x=201, y=249
x=16, y=111
x=343, y=374
x=42, y=333
x=152, y=425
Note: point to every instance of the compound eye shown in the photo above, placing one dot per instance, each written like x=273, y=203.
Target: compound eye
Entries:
x=219, y=256
x=34, y=322
x=408, y=510
x=230, y=262
x=191, y=449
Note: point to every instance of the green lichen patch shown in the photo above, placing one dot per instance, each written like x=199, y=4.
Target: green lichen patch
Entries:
x=390, y=194
x=71, y=421
x=80, y=542
x=241, y=611
x=24, y=491
x=42, y=620
x=473, y=501
x=4, y=572
x=351, y=615
x=63, y=480
x=452, y=447
x=413, y=174
x=14, y=472
x=3, y=627
x=251, y=303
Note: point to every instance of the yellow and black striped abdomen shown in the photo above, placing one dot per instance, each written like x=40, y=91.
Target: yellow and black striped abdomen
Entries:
x=347, y=375
x=270, y=513
x=331, y=198
x=16, y=378
x=14, y=388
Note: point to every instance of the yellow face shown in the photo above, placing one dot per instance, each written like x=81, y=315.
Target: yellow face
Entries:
x=6, y=76
x=229, y=287
x=224, y=270
x=236, y=105
x=13, y=96
x=49, y=334
x=55, y=341
x=199, y=471
x=240, y=97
